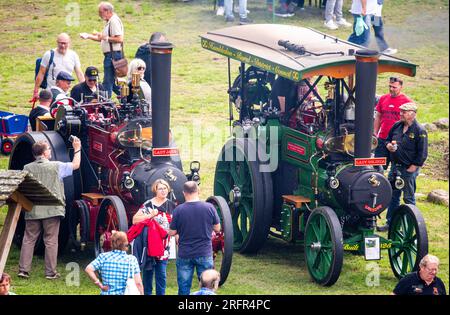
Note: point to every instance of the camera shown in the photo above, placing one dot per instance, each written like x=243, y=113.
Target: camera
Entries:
x=71, y=138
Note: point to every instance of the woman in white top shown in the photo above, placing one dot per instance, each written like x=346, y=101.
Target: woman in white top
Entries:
x=138, y=66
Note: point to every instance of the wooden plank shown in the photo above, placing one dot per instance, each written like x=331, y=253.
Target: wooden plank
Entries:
x=93, y=197
x=24, y=201
x=296, y=200
x=6, y=237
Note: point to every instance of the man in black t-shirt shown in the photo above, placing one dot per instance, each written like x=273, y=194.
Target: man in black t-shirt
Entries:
x=284, y=94
x=88, y=90
x=194, y=222
x=424, y=281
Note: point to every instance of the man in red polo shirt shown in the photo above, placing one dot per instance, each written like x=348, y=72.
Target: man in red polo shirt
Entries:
x=387, y=113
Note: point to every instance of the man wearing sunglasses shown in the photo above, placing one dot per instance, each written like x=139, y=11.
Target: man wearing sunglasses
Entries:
x=387, y=113
x=89, y=90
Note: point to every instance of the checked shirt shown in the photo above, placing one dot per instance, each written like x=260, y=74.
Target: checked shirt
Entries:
x=114, y=267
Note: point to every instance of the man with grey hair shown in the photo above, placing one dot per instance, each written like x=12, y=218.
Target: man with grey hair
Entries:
x=64, y=59
x=111, y=39
x=424, y=281
x=209, y=282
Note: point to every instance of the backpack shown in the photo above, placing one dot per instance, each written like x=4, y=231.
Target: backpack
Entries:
x=38, y=67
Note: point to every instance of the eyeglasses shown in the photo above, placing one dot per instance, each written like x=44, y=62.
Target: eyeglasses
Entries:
x=431, y=270
x=92, y=80
x=141, y=68
x=162, y=188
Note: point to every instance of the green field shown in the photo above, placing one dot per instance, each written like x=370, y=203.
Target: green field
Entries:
x=199, y=118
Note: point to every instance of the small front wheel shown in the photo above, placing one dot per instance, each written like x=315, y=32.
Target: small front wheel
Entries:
x=324, y=251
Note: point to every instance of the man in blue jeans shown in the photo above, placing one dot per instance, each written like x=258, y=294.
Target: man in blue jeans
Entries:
x=364, y=9
x=194, y=222
x=408, y=144
x=111, y=39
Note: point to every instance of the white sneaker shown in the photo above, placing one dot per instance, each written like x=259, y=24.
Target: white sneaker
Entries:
x=389, y=51
x=330, y=25
x=343, y=22
x=220, y=11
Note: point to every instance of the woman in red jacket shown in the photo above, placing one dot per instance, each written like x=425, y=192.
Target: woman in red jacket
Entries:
x=159, y=209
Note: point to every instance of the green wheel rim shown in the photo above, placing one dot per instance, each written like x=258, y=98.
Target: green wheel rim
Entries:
x=319, y=261
x=407, y=229
x=248, y=192
x=228, y=175
x=324, y=246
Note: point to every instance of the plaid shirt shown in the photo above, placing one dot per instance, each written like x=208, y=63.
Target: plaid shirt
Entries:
x=114, y=268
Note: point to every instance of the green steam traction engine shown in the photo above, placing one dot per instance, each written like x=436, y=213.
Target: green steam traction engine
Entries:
x=314, y=183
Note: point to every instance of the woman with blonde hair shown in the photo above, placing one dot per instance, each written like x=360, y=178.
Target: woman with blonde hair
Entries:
x=145, y=92
x=115, y=267
x=159, y=209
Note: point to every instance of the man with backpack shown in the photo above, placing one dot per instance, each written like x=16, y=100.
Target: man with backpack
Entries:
x=55, y=60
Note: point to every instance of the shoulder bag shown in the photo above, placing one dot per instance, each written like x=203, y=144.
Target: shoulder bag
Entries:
x=120, y=65
x=131, y=288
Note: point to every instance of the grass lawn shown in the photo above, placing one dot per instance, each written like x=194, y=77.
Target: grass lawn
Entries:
x=199, y=119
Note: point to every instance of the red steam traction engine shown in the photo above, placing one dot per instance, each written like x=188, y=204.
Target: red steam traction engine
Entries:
x=125, y=148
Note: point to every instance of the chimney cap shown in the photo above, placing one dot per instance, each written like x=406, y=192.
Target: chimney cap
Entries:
x=367, y=53
x=161, y=45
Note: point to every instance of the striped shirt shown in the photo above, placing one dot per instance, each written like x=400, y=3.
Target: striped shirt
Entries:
x=114, y=268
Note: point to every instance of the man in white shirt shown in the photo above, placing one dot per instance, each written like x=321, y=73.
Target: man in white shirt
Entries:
x=64, y=59
x=364, y=9
x=111, y=38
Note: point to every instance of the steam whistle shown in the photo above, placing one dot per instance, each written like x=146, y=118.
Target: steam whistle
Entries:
x=124, y=90
x=135, y=87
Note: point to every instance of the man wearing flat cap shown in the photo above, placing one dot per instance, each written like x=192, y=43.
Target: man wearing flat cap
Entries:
x=61, y=89
x=407, y=143
x=90, y=89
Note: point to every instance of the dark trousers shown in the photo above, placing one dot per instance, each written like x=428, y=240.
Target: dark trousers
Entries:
x=408, y=191
x=159, y=270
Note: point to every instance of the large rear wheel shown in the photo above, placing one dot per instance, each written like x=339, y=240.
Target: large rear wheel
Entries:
x=247, y=190
x=408, y=229
x=324, y=252
x=20, y=156
x=222, y=241
x=111, y=217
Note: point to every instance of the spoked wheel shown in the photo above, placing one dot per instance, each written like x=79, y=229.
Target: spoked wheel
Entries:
x=248, y=191
x=408, y=228
x=324, y=253
x=79, y=225
x=222, y=242
x=111, y=217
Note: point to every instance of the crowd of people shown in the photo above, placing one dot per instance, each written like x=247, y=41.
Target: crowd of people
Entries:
x=156, y=222
x=366, y=14
x=159, y=226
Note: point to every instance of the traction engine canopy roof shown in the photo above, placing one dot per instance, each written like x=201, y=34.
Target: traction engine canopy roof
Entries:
x=257, y=45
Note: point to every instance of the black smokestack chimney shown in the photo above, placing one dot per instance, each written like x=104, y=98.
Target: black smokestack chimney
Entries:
x=365, y=89
x=161, y=54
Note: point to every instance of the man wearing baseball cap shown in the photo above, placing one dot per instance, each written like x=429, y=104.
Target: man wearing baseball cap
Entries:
x=407, y=143
x=88, y=90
